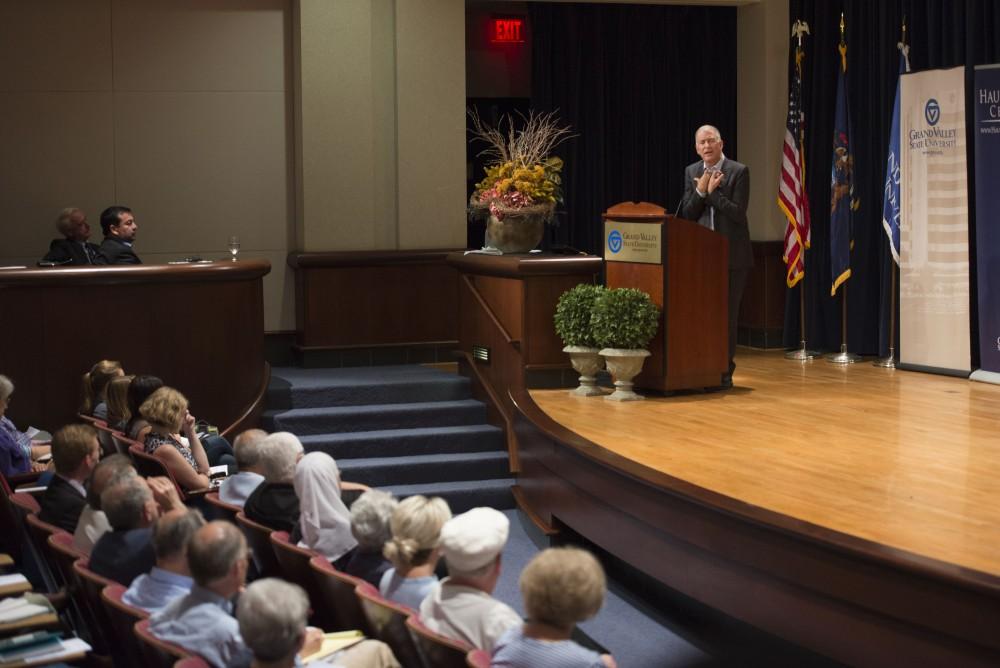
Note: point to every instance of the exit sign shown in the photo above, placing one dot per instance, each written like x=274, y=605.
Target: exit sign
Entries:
x=508, y=30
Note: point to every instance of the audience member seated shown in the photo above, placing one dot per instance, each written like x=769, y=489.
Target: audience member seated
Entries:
x=93, y=523
x=116, y=398
x=202, y=621
x=560, y=587
x=75, y=453
x=170, y=578
x=324, y=520
x=17, y=452
x=272, y=617
x=74, y=247
x=132, y=505
x=370, y=517
x=274, y=503
x=166, y=410
x=413, y=549
x=246, y=448
x=95, y=384
x=118, y=225
x=140, y=389
x=461, y=605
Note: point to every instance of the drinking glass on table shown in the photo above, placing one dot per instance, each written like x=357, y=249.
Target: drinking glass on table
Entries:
x=234, y=247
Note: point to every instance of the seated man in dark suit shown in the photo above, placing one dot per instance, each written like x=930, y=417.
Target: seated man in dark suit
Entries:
x=133, y=505
x=75, y=453
x=118, y=225
x=74, y=248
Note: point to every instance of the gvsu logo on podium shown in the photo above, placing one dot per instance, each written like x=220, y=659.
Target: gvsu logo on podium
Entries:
x=932, y=112
x=615, y=241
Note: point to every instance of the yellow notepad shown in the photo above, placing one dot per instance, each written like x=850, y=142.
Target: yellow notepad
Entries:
x=334, y=642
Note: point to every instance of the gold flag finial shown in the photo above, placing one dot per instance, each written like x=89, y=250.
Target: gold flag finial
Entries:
x=841, y=27
x=800, y=28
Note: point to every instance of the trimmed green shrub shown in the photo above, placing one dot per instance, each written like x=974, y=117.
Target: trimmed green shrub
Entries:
x=624, y=318
x=573, y=313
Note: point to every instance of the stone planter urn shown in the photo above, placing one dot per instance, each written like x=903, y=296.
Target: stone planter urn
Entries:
x=587, y=362
x=624, y=364
x=516, y=233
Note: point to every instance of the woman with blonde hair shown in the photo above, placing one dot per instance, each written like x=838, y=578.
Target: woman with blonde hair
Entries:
x=95, y=383
x=413, y=549
x=561, y=586
x=166, y=411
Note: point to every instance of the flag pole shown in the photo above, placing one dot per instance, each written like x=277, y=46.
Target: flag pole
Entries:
x=889, y=362
x=802, y=354
x=843, y=357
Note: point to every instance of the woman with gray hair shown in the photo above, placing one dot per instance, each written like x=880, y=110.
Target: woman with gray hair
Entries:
x=370, y=517
x=17, y=451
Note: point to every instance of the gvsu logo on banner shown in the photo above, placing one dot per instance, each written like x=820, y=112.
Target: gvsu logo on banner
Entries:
x=932, y=112
x=615, y=241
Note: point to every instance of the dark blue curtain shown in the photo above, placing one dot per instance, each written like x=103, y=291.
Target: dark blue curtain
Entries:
x=941, y=33
x=634, y=82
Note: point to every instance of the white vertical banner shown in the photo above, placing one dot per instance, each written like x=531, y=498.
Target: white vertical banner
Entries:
x=934, y=325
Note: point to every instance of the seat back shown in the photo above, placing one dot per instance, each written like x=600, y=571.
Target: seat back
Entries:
x=63, y=554
x=221, y=509
x=259, y=539
x=90, y=586
x=388, y=623
x=477, y=658
x=157, y=653
x=92, y=420
x=192, y=662
x=38, y=534
x=123, y=618
x=149, y=466
x=435, y=649
x=294, y=563
x=122, y=443
x=335, y=594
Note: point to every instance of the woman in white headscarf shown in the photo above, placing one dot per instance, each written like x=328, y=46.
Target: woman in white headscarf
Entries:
x=324, y=520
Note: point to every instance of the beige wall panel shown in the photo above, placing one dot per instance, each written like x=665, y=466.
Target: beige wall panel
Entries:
x=762, y=100
x=62, y=45
x=336, y=125
x=199, y=167
x=201, y=45
x=56, y=150
x=430, y=79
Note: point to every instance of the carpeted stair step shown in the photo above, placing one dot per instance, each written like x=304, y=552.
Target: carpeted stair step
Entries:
x=292, y=387
x=462, y=496
x=425, y=469
x=400, y=442
x=340, y=419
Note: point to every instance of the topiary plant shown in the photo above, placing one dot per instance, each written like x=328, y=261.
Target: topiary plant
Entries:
x=624, y=318
x=573, y=312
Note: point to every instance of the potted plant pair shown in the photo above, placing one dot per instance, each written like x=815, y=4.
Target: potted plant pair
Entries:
x=618, y=326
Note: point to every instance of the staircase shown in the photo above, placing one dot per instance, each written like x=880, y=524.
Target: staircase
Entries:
x=406, y=429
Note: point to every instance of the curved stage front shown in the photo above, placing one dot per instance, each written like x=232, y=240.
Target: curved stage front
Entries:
x=852, y=511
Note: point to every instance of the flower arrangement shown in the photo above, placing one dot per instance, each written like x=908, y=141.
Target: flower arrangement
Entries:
x=523, y=176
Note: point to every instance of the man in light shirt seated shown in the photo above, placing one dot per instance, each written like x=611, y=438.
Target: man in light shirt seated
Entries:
x=171, y=577
x=93, y=522
x=461, y=605
x=246, y=448
x=272, y=616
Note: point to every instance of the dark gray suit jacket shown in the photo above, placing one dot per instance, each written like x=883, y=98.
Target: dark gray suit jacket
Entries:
x=61, y=504
x=64, y=251
x=730, y=200
x=118, y=252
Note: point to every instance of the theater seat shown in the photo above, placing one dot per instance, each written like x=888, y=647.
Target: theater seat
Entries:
x=435, y=649
x=388, y=623
x=259, y=539
x=477, y=658
x=335, y=591
x=123, y=619
x=157, y=653
x=294, y=563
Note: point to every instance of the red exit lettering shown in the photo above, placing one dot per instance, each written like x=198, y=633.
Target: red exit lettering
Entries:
x=507, y=30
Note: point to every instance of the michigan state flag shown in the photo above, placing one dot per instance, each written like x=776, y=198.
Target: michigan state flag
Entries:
x=841, y=184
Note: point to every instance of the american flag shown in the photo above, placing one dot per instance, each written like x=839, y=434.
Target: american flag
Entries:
x=792, y=199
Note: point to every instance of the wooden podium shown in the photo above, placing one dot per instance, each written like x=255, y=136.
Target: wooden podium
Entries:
x=685, y=269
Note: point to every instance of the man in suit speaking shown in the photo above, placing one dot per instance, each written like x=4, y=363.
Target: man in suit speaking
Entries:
x=716, y=194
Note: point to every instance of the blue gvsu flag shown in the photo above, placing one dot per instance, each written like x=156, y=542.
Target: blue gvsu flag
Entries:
x=842, y=205
x=890, y=201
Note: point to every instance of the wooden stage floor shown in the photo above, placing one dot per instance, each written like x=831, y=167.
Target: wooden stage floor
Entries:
x=904, y=459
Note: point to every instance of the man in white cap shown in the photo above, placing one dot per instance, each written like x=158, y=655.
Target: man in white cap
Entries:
x=461, y=605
